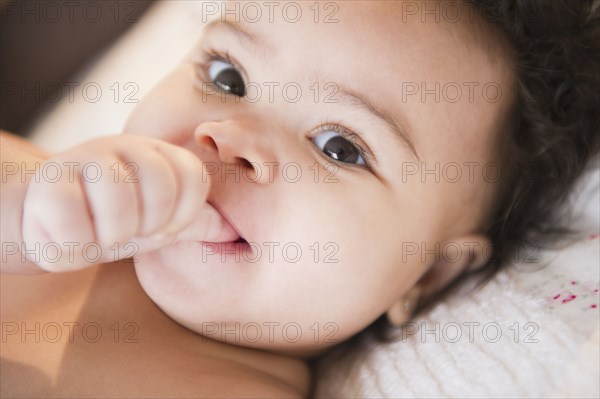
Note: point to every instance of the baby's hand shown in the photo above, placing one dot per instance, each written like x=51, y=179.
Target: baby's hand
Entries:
x=110, y=197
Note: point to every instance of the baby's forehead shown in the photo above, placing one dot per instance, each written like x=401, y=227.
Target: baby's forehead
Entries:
x=415, y=39
x=385, y=49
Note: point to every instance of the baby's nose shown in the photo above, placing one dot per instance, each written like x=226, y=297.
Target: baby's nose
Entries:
x=238, y=144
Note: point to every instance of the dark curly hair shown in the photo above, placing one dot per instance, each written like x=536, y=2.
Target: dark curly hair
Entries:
x=553, y=126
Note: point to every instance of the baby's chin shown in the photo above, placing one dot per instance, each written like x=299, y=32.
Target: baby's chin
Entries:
x=188, y=290
x=212, y=315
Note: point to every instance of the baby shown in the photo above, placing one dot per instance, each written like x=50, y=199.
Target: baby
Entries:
x=298, y=177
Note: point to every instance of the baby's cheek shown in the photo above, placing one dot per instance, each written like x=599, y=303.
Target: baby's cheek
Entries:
x=148, y=119
x=169, y=111
x=353, y=263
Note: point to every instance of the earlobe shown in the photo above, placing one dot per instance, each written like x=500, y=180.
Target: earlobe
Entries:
x=457, y=256
x=401, y=311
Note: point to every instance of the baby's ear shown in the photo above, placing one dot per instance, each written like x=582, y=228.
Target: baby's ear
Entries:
x=457, y=256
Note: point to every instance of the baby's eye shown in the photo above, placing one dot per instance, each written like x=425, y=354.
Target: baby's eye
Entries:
x=227, y=78
x=338, y=147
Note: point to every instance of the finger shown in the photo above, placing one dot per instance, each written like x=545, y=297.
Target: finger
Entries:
x=112, y=203
x=156, y=185
x=192, y=187
x=57, y=221
x=209, y=226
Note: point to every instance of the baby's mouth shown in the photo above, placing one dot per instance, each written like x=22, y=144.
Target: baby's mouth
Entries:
x=231, y=250
x=239, y=242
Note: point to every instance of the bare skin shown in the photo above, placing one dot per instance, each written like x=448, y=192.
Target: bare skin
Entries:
x=153, y=356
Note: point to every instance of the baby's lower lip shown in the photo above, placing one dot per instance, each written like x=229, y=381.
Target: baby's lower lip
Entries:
x=183, y=255
x=227, y=248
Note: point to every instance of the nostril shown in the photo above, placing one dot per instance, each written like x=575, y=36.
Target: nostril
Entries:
x=249, y=169
x=245, y=163
x=208, y=141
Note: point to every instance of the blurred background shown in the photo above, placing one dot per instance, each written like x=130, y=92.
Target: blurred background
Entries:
x=44, y=43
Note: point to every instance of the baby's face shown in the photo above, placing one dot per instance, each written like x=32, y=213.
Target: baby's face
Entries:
x=357, y=165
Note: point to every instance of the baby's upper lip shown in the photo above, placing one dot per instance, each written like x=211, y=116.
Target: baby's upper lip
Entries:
x=227, y=219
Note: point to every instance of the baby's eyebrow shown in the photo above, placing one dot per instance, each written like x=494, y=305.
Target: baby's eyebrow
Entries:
x=235, y=29
x=360, y=101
